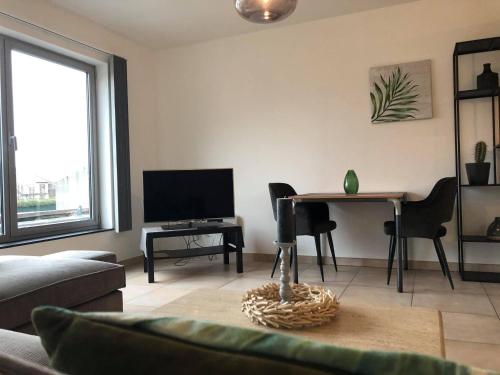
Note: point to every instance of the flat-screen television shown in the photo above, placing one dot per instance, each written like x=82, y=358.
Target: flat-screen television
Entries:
x=175, y=195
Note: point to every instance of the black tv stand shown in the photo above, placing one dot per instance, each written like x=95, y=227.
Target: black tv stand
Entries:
x=232, y=242
x=192, y=225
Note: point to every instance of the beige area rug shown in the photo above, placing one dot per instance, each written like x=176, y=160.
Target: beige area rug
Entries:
x=359, y=326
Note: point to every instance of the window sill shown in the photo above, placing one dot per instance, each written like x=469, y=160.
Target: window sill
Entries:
x=51, y=238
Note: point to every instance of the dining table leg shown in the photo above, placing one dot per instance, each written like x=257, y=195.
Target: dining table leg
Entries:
x=294, y=255
x=398, y=239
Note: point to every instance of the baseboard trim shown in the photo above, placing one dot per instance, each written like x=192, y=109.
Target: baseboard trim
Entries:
x=131, y=261
x=344, y=261
x=375, y=263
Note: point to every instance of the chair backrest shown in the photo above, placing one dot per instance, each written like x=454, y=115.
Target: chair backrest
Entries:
x=442, y=199
x=279, y=190
x=423, y=219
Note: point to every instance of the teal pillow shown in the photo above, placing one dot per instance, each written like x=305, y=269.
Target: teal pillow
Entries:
x=114, y=343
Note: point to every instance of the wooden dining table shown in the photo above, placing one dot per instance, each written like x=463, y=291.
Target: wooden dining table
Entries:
x=396, y=198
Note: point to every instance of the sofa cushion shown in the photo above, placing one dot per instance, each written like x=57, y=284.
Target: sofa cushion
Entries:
x=21, y=345
x=10, y=364
x=128, y=344
x=111, y=302
x=27, y=282
x=100, y=255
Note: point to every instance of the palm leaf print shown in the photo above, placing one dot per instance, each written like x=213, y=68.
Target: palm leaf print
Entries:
x=392, y=98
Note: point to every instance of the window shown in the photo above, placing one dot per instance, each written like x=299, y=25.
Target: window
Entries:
x=48, y=143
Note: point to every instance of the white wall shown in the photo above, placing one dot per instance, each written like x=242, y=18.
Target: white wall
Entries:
x=291, y=104
x=142, y=112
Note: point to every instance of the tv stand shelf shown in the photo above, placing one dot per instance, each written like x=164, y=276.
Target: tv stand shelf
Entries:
x=192, y=225
x=191, y=253
x=232, y=235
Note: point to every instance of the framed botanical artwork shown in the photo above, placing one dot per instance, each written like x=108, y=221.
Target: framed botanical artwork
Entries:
x=401, y=92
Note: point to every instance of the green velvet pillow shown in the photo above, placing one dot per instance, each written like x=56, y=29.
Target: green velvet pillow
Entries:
x=113, y=343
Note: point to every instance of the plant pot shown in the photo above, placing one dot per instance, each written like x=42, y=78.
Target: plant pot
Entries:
x=478, y=173
x=494, y=230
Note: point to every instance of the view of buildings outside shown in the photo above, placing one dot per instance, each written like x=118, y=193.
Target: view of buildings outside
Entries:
x=41, y=195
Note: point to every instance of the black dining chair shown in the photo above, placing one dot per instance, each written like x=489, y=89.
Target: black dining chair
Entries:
x=311, y=219
x=424, y=219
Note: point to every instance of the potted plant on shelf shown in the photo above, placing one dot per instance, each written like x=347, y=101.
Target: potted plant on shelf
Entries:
x=478, y=173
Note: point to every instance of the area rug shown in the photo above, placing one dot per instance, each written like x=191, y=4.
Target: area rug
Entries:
x=360, y=326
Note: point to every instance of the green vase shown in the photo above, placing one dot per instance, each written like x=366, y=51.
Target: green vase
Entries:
x=351, y=183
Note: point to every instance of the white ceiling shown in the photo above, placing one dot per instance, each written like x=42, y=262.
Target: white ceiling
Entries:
x=169, y=23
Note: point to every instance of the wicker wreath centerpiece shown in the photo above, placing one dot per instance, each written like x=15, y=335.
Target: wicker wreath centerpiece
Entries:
x=309, y=306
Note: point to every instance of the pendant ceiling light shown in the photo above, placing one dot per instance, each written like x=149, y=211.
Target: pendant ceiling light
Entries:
x=265, y=11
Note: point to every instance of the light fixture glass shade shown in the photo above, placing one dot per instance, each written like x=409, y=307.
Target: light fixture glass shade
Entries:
x=265, y=11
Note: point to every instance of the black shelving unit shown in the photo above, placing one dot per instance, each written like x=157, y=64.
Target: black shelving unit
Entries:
x=493, y=95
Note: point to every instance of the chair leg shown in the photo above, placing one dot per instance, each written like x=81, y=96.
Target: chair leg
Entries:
x=445, y=262
x=438, y=252
x=390, y=261
x=145, y=260
x=295, y=257
x=278, y=254
x=389, y=264
x=318, y=257
x=332, y=249
x=405, y=252
x=318, y=254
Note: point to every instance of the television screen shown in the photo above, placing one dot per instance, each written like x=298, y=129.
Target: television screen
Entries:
x=188, y=194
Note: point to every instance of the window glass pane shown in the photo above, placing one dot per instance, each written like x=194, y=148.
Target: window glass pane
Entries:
x=2, y=231
x=50, y=104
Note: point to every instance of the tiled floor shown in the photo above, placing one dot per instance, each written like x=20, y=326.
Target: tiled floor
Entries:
x=471, y=313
